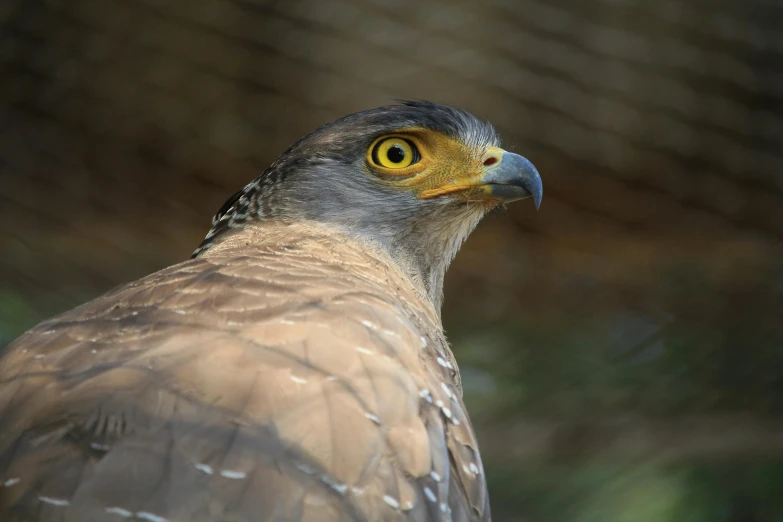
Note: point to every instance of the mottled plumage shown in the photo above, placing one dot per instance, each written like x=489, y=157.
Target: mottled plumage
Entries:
x=294, y=369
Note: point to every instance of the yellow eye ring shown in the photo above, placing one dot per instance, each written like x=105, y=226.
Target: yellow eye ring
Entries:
x=395, y=153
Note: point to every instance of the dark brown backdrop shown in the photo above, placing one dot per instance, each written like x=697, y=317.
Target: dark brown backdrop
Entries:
x=622, y=348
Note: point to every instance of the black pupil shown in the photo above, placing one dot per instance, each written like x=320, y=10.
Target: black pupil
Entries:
x=396, y=154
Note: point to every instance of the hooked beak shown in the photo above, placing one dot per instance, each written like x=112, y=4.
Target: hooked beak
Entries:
x=505, y=177
x=510, y=177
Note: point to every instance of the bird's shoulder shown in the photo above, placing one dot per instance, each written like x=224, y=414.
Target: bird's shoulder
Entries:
x=306, y=368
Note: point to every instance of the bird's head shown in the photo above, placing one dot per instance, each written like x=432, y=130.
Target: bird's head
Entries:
x=414, y=178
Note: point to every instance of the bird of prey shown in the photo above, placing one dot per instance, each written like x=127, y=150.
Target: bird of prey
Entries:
x=295, y=368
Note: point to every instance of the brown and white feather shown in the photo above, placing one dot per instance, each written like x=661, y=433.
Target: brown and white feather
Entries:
x=289, y=373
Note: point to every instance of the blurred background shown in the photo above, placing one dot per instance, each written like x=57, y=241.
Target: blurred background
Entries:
x=621, y=348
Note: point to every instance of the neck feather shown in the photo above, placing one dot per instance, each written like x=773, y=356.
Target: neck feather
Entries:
x=424, y=251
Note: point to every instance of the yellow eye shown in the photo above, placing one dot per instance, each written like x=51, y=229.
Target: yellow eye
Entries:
x=395, y=153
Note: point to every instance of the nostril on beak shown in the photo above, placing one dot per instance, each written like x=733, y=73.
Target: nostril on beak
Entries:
x=490, y=161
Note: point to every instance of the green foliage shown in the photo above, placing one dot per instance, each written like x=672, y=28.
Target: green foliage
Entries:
x=612, y=387
x=638, y=491
x=16, y=315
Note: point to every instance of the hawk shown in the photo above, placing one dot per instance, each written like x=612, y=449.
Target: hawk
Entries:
x=295, y=368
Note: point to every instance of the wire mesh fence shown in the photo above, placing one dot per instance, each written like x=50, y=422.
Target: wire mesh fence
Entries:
x=623, y=342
